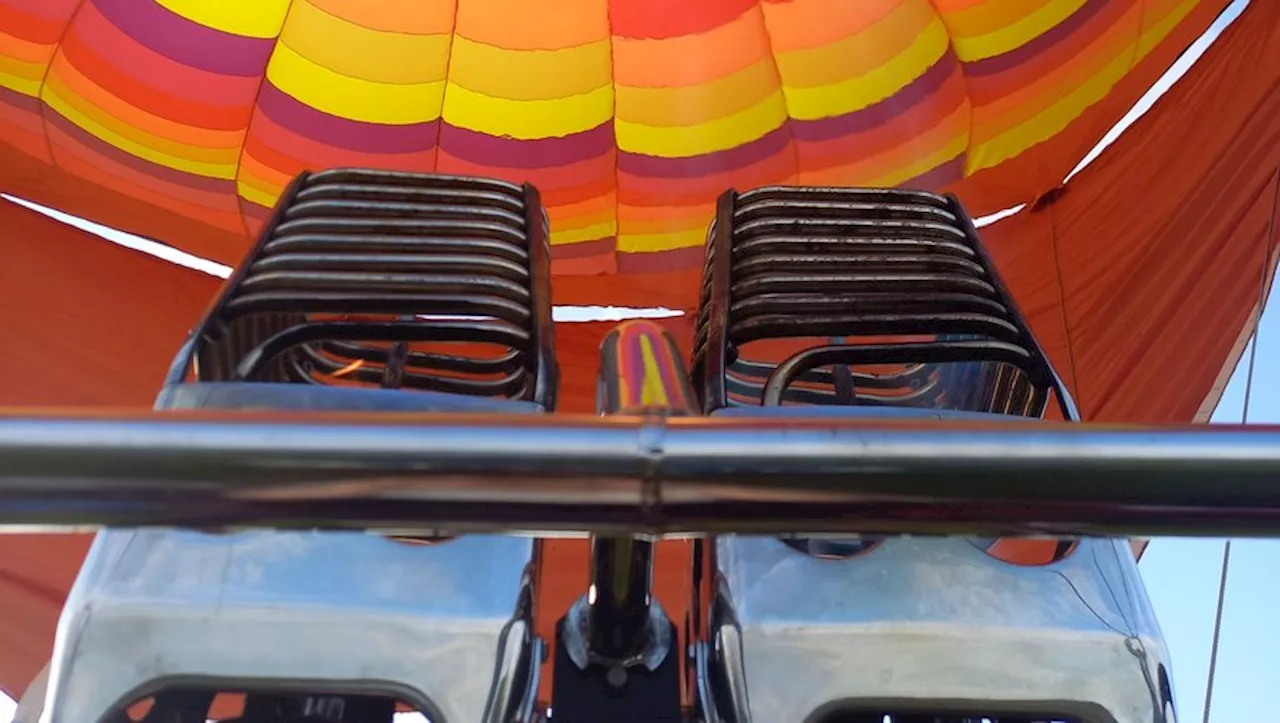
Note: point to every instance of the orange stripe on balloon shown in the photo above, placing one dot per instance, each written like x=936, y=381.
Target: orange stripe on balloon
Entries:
x=596, y=225
x=855, y=55
x=266, y=179
x=689, y=105
x=90, y=113
x=204, y=192
x=991, y=119
x=416, y=17
x=648, y=191
x=21, y=125
x=1155, y=11
x=581, y=192
x=70, y=77
x=273, y=157
x=661, y=19
x=79, y=160
x=263, y=188
x=573, y=182
x=296, y=146
x=682, y=215
x=595, y=265
x=988, y=17
x=988, y=87
x=23, y=140
x=597, y=206
x=874, y=169
x=20, y=111
x=647, y=262
x=30, y=72
x=663, y=64
x=254, y=217
x=19, y=48
x=569, y=183
x=129, y=89
x=583, y=249
x=813, y=24
x=555, y=23
x=678, y=220
x=952, y=6
x=899, y=133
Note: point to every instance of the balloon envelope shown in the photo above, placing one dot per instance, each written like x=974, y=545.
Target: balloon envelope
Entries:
x=631, y=116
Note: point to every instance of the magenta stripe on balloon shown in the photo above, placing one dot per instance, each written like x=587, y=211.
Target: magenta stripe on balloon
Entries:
x=185, y=41
x=488, y=150
x=732, y=159
x=333, y=130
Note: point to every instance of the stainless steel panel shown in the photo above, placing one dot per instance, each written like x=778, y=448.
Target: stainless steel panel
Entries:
x=340, y=612
x=935, y=623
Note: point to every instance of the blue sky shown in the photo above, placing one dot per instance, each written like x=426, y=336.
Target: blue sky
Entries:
x=1181, y=574
x=1182, y=579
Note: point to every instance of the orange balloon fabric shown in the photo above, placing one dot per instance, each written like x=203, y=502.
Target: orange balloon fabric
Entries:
x=1144, y=278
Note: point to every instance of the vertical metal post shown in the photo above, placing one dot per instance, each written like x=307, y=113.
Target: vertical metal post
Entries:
x=619, y=597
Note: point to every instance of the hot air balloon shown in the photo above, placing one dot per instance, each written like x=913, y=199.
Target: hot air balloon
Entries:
x=184, y=121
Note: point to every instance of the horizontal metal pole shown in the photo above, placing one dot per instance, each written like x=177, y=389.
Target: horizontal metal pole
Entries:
x=640, y=474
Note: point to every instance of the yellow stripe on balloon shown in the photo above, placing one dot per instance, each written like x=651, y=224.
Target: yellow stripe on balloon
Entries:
x=252, y=18
x=358, y=52
x=923, y=164
x=527, y=119
x=529, y=74
x=682, y=239
x=599, y=225
x=987, y=16
x=930, y=148
x=252, y=189
x=718, y=135
x=347, y=97
x=859, y=54
x=639, y=221
x=1015, y=35
x=990, y=120
x=687, y=105
x=26, y=75
x=1152, y=37
x=19, y=83
x=586, y=233
x=1049, y=122
x=874, y=86
x=85, y=92
x=262, y=176
x=65, y=109
x=419, y=17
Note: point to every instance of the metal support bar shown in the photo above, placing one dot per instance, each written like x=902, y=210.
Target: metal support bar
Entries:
x=637, y=474
x=618, y=615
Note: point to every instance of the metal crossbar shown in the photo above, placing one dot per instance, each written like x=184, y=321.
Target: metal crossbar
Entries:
x=567, y=473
